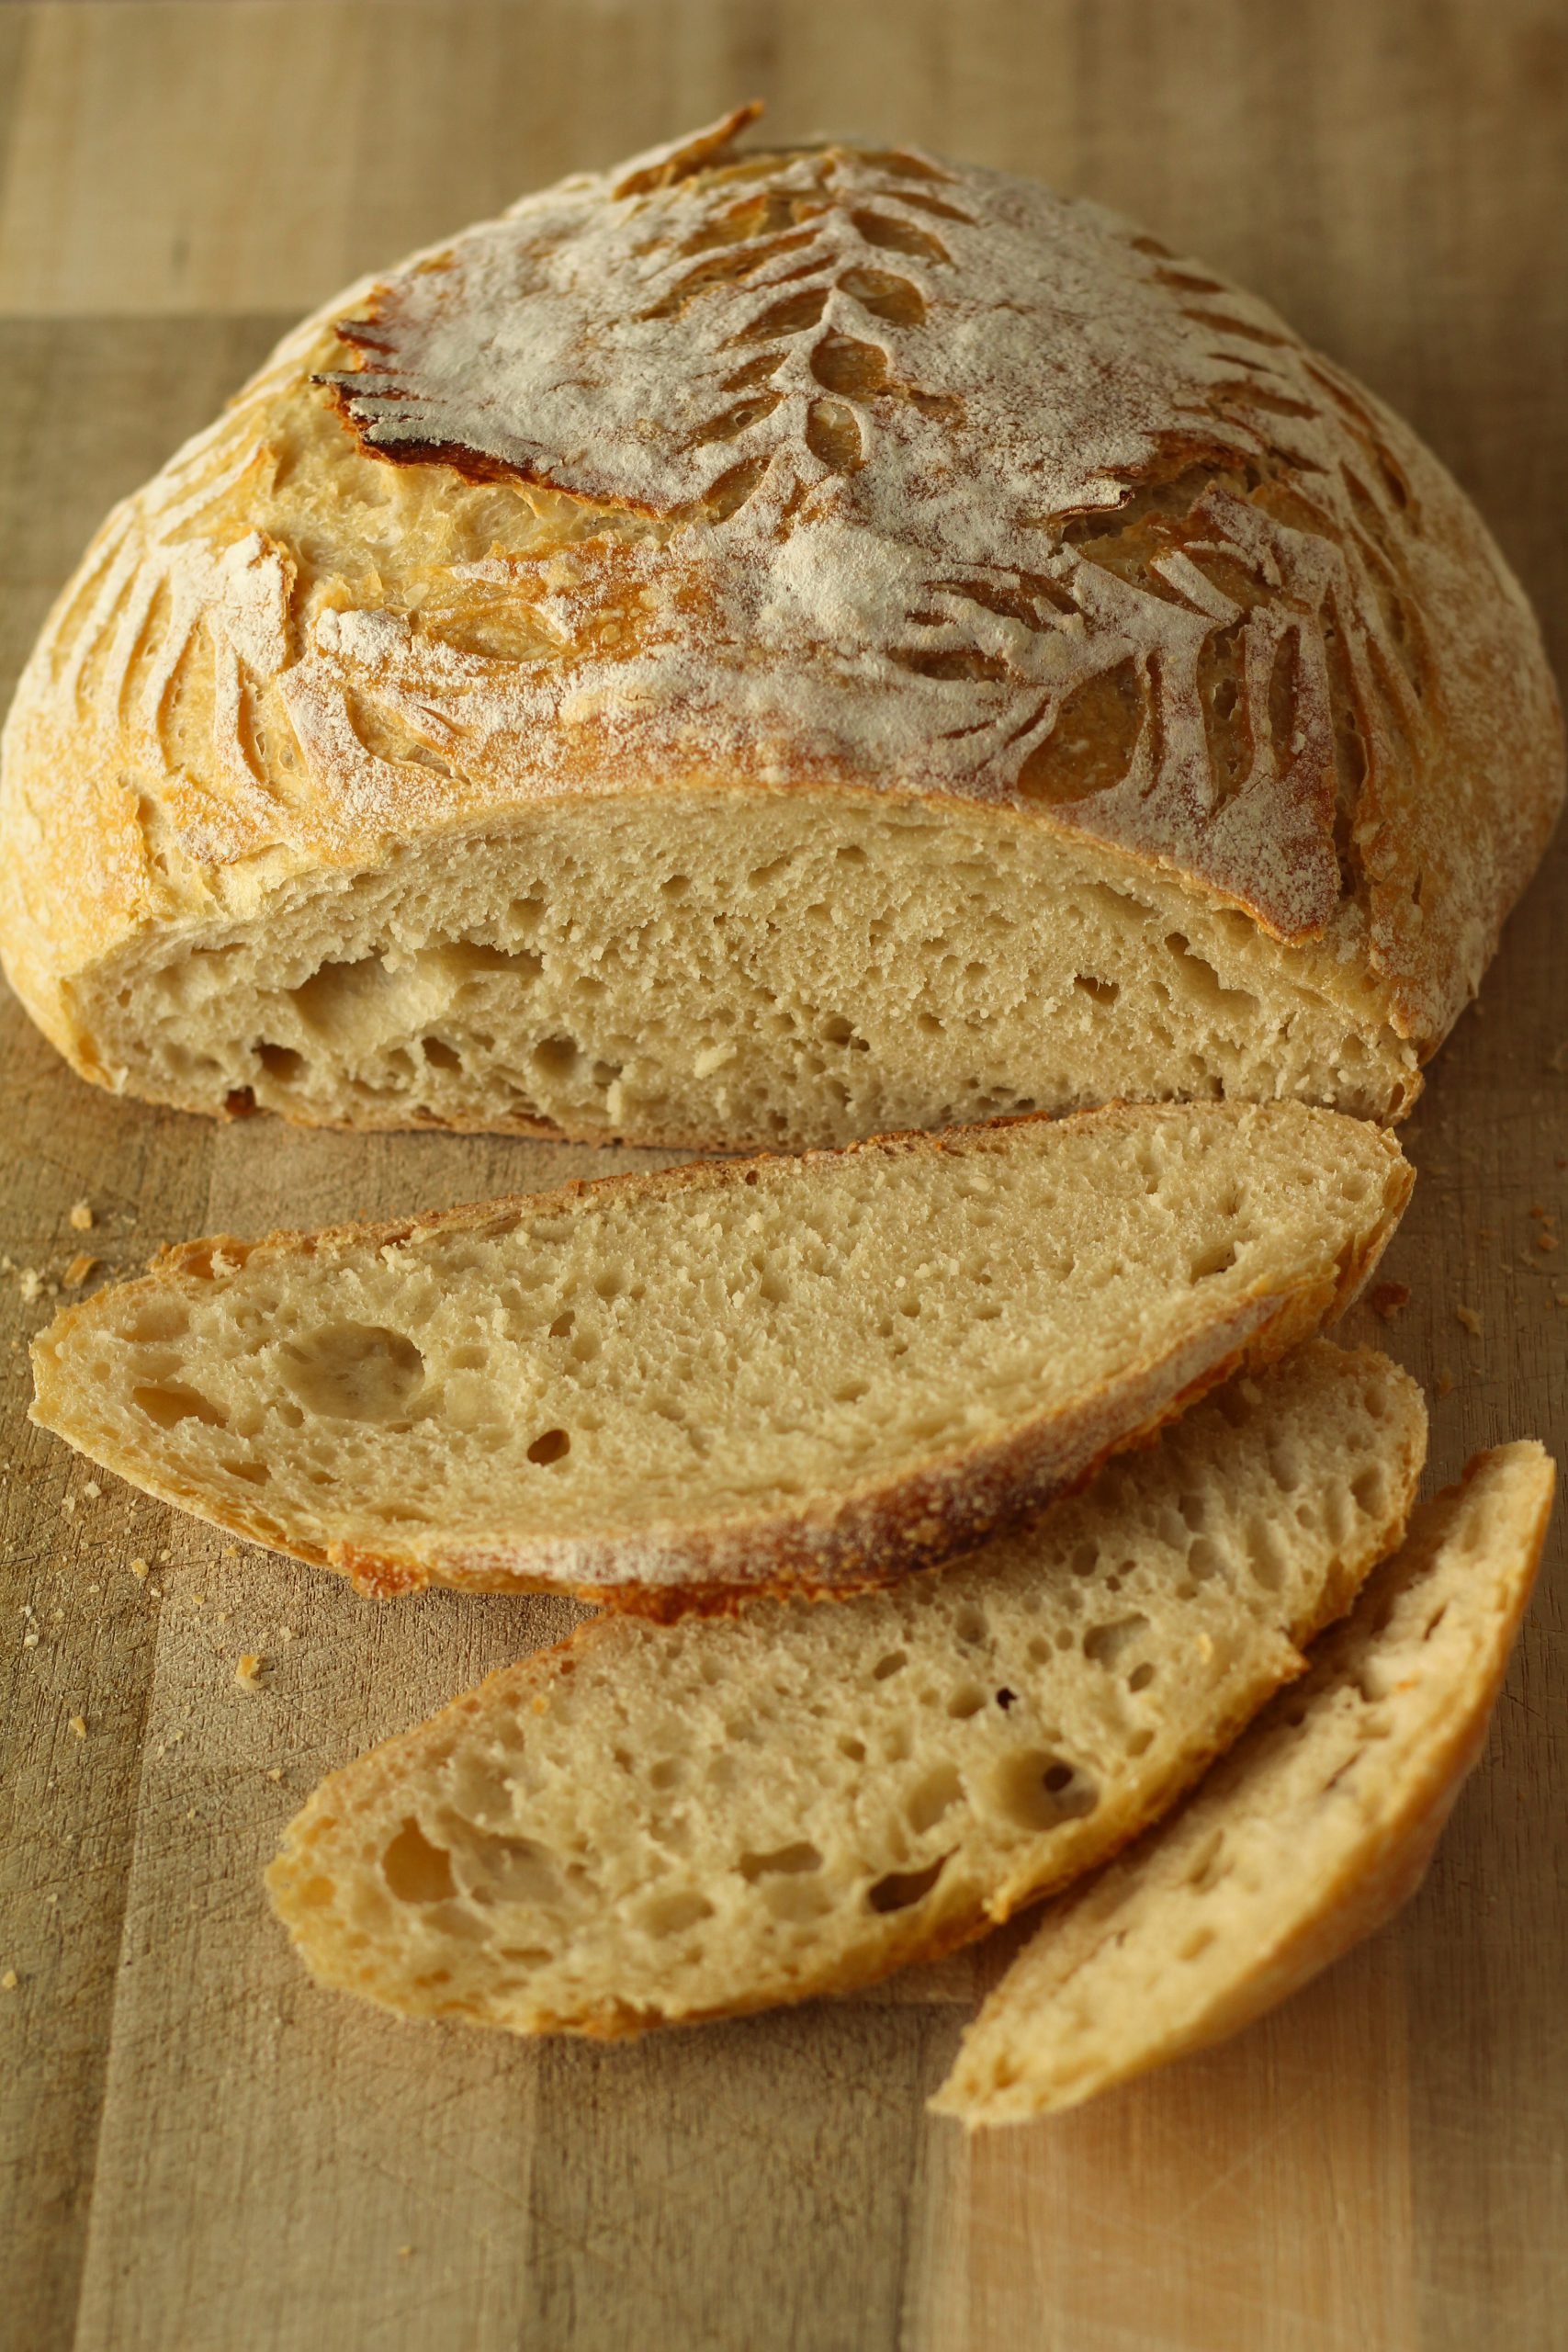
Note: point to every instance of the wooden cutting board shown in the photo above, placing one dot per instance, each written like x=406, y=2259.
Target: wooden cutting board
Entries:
x=201, y=2152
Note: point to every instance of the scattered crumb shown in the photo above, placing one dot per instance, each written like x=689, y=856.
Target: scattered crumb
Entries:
x=286, y=1632
x=405, y=2249
x=1558, y=1058
x=79, y=1726
x=70, y=1503
x=76, y=1272
x=29, y=1639
x=156, y=1590
x=274, y=1771
x=1445, y=1383
x=246, y=1672
x=92, y=1490
x=1470, y=1316
x=1387, y=1298
x=1544, y=1240
x=81, y=1216
x=10, y=1980
x=140, y=1570
x=30, y=1283
x=231, y=1551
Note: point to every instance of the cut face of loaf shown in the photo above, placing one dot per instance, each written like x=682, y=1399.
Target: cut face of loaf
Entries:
x=649, y=1824
x=1309, y=1835
x=814, y=1372
x=716, y=969
x=750, y=651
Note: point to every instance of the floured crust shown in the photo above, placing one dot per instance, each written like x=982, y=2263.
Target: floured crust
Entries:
x=838, y=470
x=828, y=1543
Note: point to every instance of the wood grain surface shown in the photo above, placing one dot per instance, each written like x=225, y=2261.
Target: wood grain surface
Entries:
x=202, y=2153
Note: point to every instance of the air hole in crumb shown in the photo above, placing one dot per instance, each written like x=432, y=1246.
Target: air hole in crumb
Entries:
x=1102, y=991
x=279, y=1061
x=900, y=1890
x=440, y=1055
x=353, y=1371
x=672, y=1915
x=789, y=1860
x=555, y=1057
x=887, y=1666
x=967, y=1701
x=416, y=1870
x=1218, y=1259
x=931, y=1797
x=1037, y=1789
x=170, y=1402
x=552, y=1446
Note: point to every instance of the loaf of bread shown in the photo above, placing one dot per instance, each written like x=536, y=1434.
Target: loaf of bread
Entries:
x=815, y=1372
x=650, y=1823
x=760, y=650
x=1309, y=1835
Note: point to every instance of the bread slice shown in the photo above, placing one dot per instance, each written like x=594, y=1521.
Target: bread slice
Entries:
x=651, y=1823
x=1309, y=1835
x=816, y=1372
x=758, y=649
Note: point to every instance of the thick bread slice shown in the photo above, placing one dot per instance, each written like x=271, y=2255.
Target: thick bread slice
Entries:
x=761, y=650
x=1309, y=1835
x=815, y=1373
x=648, y=1823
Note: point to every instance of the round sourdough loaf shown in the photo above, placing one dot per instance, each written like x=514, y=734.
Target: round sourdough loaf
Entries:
x=757, y=648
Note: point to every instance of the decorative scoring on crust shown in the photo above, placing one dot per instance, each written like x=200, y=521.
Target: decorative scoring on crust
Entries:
x=958, y=479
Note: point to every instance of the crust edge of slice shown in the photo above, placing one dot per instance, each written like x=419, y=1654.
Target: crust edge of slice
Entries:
x=1380, y=1868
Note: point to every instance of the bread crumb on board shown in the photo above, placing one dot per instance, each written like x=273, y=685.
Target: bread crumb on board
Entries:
x=81, y=1216
x=76, y=1272
x=1444, y=1382
x=1385, y=1299
x=79, y=1726
x=248, y=1669
x=10, y=1980
x=1471, y=1317
x=140, y=1571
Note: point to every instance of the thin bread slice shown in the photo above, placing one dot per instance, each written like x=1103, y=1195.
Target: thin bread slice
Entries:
x=653, y=1822
x=1308, y=1837
x=782, y=1374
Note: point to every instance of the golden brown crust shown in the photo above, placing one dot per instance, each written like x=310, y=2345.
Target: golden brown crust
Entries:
x=1306, y=683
